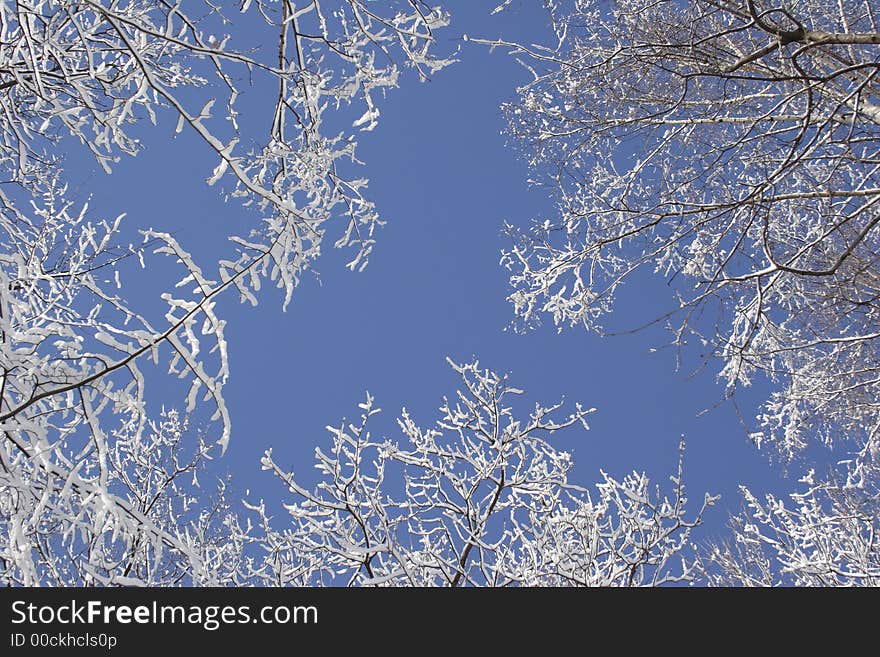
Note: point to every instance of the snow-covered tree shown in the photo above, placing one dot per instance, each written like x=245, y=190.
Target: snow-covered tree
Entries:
x=90, y=483
x=827, y=534
x=480, y=499
x=730, y=142
x=731, y=146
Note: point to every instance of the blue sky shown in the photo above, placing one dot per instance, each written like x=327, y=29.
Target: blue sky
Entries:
x=444, y=179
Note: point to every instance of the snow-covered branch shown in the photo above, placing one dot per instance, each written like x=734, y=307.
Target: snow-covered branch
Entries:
x=731, y=147
x=75, y=345
x=480, y=499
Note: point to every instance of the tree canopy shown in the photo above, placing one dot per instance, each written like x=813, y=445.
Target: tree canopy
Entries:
x=729, y=146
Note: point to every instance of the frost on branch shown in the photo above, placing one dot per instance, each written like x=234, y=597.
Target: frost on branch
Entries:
x=730, y=147
x=480, y=499
x=72, y=394
x=96, y=72
x=129, y=511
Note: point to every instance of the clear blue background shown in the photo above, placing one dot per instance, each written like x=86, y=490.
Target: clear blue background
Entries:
x=444, y=179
